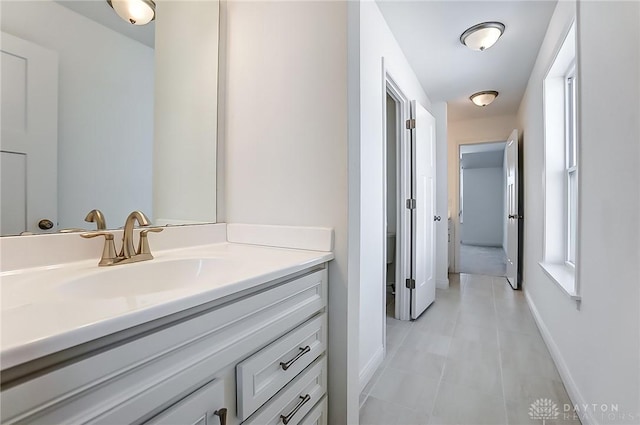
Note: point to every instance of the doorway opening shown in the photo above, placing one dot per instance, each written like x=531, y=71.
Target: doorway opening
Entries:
x=483, y=199
x=396, y=190
x=409, y=204
x=393, y=117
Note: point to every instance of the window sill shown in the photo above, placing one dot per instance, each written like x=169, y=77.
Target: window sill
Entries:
x=564, y=276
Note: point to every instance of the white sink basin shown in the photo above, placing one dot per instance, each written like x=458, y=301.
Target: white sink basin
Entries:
x=143, y=278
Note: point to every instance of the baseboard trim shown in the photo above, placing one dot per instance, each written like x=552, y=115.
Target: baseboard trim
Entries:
x=442, y=283
x=576, y=397
x=370, y=368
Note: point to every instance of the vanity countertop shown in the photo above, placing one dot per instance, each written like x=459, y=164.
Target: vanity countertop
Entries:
x=48, y=309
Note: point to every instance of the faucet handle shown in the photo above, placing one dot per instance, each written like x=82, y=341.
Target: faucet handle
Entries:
x=143, y=246
x=72, y=230
x=109, y=256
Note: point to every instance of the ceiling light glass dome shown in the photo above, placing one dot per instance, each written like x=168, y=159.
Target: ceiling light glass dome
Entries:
x=136, y=12
x=482, y=36
x=484, y=98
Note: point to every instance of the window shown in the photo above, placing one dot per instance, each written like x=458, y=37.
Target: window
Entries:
x=561, y=144
x=571, y=166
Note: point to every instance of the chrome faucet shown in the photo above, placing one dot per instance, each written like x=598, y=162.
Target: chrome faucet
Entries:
x=128, y=254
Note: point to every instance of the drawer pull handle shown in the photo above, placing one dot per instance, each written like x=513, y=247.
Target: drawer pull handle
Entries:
x=222, y=413
x=303, y=351
x=287, y=418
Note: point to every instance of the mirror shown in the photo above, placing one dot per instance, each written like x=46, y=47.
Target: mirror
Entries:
x=101, y=114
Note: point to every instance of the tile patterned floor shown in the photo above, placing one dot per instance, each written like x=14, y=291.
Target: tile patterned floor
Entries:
x=474, y=357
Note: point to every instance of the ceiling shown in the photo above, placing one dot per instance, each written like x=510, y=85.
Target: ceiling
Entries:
x=100, y=12
x=429, y=34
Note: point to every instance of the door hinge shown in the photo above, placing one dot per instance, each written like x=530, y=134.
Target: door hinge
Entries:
x=411, y=283
x=411, y=124
x=411, y=204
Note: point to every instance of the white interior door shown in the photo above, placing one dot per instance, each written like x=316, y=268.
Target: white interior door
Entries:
x=29, y=145
x=423, y=142
x=513, y=215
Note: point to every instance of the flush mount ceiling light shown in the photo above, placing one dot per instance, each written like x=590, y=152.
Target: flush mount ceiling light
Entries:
x=483, y=98
x=482, y=36
x=136, y=12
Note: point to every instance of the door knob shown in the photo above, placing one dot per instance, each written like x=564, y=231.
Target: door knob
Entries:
x=45, y=224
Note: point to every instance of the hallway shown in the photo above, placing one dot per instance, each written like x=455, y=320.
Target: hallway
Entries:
x=474, y=357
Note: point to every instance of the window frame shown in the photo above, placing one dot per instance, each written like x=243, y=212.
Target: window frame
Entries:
x=561, y=214
x=571, y=166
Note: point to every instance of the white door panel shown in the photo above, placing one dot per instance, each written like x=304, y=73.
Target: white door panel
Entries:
x=512, y=211
x=29, y=144
x=13, y=180
x=423, y=228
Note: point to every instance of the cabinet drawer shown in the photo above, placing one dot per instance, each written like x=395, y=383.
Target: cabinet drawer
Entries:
x=296, y=399
x=199, y=408
x=318, y=415
x=266, y=372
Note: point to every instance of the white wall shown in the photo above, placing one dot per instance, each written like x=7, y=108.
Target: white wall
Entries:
x=375, y=42
x=285, y=145
x=184, y=152
x=595, y=344
x=105, y=111
x=483, y=194
x=490, y=129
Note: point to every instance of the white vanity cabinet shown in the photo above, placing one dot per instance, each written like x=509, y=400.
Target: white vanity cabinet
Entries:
x=252, y=358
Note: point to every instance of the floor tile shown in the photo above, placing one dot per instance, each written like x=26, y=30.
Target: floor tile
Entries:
x=443, y=325
x=477, y=308
x=472, y=332
x=523, y=362
x=478, y=280
x=424, y=364
x=411, y=390
x=477, y=318
x=459, y=404
x=516, y=321
x=429, y=342
x=411, y=417
x=379, y=412
x=481, y=376
x=396, y=335
x=530, y=387
x=516, y=342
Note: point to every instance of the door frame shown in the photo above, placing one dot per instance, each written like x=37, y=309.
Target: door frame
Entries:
x=403, y=182
x=514, y=139
x=455, y=214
